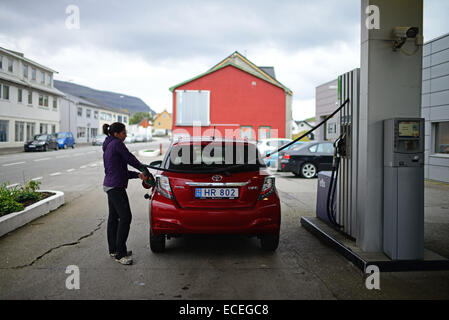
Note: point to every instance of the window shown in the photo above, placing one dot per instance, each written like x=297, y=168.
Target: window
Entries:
x=19, y=95
x=41, y=100
x=102, y=116
x=313, y=148
x=10, y=65
x=33, y=73
x=48, y=79
x=30, y=97
x=325, y=148
x=108, y=116
x=95, y=114
x=119, y=119
x=332, y=128
x=20, y=131
x=442, y=137
x=246, y=132
x=25, y=71
x=165, y=115
x=4, y=130
x=125, y=120
x=55, y=103
x=192, y=107
x=46, y=101
x=264, y=133
x=80, y=112
x=5, y=92
x=43, y=128
x=42, y=77
x=53, y=128
x=88, y=111
x=81, y=132
x=1, y=62
x=93, y=132
x=31, y=127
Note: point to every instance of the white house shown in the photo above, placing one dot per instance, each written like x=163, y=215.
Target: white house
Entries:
x=85, y=118
x=29, y=103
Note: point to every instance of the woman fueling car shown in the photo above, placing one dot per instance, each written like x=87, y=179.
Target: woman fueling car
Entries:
x=116, y=158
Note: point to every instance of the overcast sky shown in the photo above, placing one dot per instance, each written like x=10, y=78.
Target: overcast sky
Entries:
x=141, y=48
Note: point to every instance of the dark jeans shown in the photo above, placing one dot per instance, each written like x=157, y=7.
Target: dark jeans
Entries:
x=119, y=221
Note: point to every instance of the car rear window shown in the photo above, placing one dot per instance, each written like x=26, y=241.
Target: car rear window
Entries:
x=236, y=157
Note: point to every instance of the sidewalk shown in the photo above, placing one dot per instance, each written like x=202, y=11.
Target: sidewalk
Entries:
x=5, y=151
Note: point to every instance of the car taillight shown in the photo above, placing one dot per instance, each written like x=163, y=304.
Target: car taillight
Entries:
x=286, y=156
x=268, y=187
x=163, y=186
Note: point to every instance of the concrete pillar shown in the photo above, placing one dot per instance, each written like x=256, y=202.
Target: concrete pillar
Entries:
x=390, y=86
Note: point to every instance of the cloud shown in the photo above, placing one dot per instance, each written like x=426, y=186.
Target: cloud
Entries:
x=143, y=47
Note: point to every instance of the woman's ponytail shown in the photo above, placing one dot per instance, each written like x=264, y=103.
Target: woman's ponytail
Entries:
x=106, y=129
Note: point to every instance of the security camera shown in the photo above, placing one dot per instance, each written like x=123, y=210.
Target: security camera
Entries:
x=406, y=32
x=401, y=34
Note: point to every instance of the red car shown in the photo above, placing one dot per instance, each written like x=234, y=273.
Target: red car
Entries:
x=215, y=186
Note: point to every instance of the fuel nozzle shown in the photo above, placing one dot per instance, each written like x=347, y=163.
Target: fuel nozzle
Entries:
x=150, y=182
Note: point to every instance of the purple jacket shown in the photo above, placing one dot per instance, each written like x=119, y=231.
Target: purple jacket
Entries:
x=116, y=158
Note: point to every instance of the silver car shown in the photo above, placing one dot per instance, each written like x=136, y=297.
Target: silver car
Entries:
x=98, y=140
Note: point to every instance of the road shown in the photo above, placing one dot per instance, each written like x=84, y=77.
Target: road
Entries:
x=71, y=171
x=34, y=259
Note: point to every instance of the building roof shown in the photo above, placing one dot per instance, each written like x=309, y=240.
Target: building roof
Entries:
x=110, y=100
x=145, y=123
x=161, y=113
x=240, y=62
x=20, y=56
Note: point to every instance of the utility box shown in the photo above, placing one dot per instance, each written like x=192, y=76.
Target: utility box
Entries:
x=403, y=223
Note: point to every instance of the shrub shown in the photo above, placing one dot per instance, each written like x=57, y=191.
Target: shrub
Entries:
x=12, y=199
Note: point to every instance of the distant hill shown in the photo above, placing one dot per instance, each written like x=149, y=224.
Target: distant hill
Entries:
x=116, y=101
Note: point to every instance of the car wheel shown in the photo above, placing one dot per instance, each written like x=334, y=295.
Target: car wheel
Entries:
x=73, y=146
x=308, y=170
x=269, y=242
x=157, y=243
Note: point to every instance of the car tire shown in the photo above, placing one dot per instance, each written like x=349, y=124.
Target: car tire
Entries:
x=269, y=242
x=73, y=146
x=308, y=170
x=157, y=243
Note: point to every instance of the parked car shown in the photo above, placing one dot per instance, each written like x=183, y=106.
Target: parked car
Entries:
x=98, y=140
x=271, y=144
x=130, y=138
x=273, y=160
x=42, y=142
x=65, y=140
x=141, y=138
x=308, y=159
x=242, y=200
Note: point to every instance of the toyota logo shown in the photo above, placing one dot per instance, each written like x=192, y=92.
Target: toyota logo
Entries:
x=217, y=178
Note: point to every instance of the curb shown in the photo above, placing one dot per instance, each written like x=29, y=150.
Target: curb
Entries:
x=144, y=153
x=12, y=221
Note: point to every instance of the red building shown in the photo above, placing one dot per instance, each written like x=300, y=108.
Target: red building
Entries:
x=235, y=98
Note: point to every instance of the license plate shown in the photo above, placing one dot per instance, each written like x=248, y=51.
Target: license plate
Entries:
x=216, y=193
x=31, y=146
